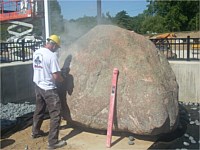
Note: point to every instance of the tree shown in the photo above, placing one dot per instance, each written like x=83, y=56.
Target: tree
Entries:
x=137, y=23
x=175, y=20
x=177, y=14
x=56, y=19
x=123, y=20
x=160, y=16
x=153, y=24
x=194, y=23
x=3, y=29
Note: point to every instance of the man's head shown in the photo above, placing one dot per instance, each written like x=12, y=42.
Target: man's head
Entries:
x=53, y=42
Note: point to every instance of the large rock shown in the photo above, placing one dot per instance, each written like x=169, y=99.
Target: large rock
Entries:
x=147, y=91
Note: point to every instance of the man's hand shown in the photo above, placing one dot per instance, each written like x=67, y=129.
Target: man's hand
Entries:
x=58, y=77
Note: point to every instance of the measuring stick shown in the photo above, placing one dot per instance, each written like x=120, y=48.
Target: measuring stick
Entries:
x=112, y=104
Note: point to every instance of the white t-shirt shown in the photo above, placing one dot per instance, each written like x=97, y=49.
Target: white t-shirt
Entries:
x=45, y=63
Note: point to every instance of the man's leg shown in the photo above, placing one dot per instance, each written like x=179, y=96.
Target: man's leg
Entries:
x=54, y=107
x=39, y=112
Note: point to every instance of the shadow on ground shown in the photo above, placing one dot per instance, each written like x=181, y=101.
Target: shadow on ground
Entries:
x=186, y=136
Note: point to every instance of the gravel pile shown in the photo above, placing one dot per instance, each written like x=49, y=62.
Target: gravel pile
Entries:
x=10, y=112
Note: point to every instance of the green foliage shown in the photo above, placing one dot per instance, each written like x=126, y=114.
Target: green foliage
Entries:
x=3, y=31
x=56, y=19
x=123, y=20
x=86, y=21
x=37, y=24
x=160, y=16
x=174, y=19
x=178, y=15
x=153, y=24
x=137, y=23
x=194, y=23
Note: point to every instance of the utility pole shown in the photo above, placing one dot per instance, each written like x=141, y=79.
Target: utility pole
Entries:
x=98, y=11
x=46, y=14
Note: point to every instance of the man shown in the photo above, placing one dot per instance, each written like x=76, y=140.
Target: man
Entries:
x=46, y=74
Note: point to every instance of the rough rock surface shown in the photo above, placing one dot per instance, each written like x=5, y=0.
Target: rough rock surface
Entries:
x=147, y=91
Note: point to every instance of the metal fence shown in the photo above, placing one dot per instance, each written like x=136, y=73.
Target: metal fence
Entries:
x=179, y=48
x=18, y=51
x=174, y=49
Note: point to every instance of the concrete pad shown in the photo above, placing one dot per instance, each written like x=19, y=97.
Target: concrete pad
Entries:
x=77, y=139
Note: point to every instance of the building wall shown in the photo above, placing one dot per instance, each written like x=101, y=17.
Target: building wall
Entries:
x=188, y=77
x=17, y=85
x=16, y=82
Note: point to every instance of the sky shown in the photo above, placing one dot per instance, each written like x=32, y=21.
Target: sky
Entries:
x=73, y=9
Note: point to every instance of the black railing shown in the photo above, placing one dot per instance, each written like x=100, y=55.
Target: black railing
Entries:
x=18, y=51
x=173, y=48
x=179, y=48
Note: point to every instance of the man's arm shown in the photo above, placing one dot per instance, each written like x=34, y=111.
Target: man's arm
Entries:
x=58, y=77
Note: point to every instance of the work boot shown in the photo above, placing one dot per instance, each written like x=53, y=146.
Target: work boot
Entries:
x=57, y=145
x=39, y=134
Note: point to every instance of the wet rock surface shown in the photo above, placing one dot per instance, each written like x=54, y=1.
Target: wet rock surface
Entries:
x=147, y=91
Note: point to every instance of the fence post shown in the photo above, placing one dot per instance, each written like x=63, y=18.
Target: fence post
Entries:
x=23, y=51
x=188, y=48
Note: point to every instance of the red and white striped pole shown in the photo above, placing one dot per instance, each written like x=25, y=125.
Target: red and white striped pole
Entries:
x=112, y=105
